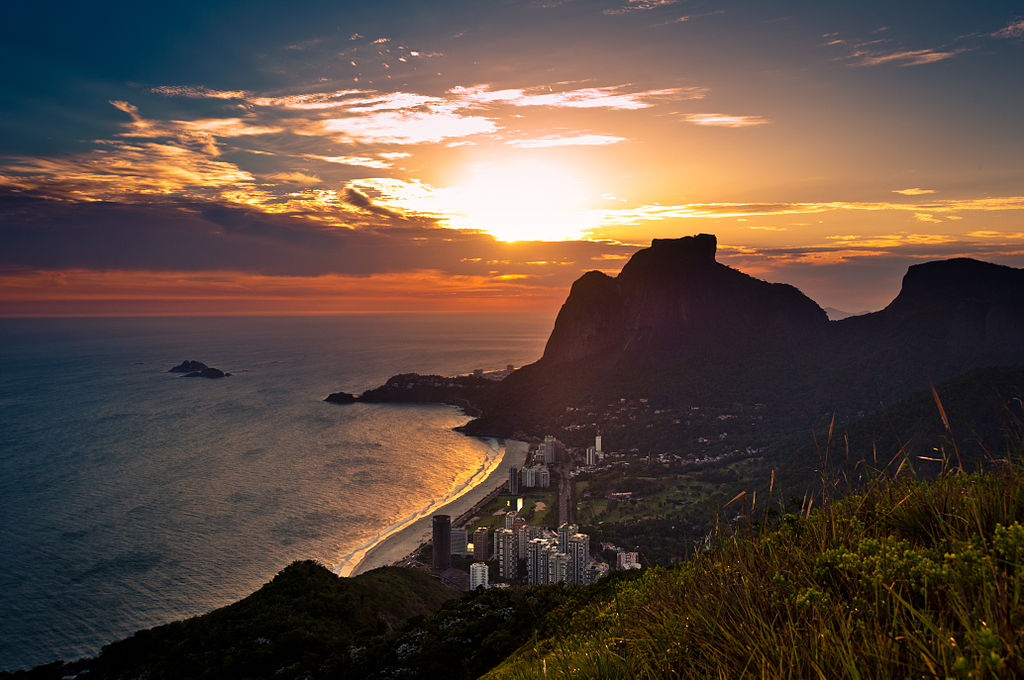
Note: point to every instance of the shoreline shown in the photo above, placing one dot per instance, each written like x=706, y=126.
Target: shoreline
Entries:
x=407, y=537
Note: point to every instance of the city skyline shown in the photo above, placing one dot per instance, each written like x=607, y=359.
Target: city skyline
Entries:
x=395, y=157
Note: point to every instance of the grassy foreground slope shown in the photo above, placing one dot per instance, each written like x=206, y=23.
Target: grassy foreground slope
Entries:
x=906, y=579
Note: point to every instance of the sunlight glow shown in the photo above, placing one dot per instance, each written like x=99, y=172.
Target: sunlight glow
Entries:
x=521, y=201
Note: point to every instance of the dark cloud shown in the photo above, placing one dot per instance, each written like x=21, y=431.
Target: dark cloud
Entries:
x=175, y=235
x=362, y=201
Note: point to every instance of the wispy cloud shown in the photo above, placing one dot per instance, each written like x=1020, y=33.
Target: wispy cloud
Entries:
x=915, y=191
x=639, y=6
x=647, y=213
x=401, y=127
x=293, y=178
x=1013, y=30
x=358, y=161
x=573, y=140
x=120, y=169
x=725, y=120
x=902, y=57
x=198, y=92
x=612, y=97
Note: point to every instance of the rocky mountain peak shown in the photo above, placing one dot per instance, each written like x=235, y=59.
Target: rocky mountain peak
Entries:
x=671, y=293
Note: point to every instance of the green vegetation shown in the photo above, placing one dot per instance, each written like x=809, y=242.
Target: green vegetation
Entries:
x=908, y=578
x=302, y=621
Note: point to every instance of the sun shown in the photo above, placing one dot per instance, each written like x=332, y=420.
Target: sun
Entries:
x=521, y=201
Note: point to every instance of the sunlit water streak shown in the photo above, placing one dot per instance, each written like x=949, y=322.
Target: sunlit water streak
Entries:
x=130, y=496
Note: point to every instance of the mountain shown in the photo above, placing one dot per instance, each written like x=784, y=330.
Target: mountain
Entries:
x=680, y=329
x=674, y=295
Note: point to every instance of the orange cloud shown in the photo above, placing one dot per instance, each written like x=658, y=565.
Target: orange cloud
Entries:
x=725, y=120
x=82, y=292
x=571, y=140
x=611, y=97
x=916, y=191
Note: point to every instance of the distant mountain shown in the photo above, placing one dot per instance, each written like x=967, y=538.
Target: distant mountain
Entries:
x=837, y=314
x=678, y=328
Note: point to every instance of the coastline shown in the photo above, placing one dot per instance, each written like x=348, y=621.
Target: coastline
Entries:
x=397, y=542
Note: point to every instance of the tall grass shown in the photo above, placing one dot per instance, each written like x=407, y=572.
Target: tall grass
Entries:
x=906, y=578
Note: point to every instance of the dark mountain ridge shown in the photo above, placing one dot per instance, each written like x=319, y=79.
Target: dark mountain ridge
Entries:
x=679, y=328
x=675, y=293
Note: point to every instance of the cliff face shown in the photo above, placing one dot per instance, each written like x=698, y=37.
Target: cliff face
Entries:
x=675, y=294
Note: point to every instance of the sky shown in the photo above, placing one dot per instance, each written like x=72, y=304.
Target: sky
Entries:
x=336, y=157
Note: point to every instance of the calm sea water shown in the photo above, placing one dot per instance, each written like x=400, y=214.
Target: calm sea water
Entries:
x=131, y=497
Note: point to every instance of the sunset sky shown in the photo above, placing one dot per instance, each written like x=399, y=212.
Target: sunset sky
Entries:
x=317, y=157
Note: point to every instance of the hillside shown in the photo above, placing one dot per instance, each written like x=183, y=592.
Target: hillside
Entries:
x=906, y=579
x=299, y=622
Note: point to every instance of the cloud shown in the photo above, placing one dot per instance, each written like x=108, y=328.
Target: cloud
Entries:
x=611, y=97
x=85, y=292
x=402, y=127
x=198, y=92
x=725, y=120
x=913, y=192
x=648, y=213
x=360, y=161
x=574, y=140
x=293, y=178
x=1013, y=30
x=903, y=57
x=360, y=200
x=639, y=6
x=119, y=169
x=195, y=242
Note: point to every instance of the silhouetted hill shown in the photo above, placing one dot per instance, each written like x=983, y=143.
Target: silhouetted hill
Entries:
x=304, y=618
x=672, y=297
x=680, y=329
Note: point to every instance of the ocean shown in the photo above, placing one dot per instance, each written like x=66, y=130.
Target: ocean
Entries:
x=131, y=497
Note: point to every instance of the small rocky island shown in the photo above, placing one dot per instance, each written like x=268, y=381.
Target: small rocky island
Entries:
x=197, y=369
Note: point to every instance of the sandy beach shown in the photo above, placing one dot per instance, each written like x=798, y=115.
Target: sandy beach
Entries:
x=407, y=539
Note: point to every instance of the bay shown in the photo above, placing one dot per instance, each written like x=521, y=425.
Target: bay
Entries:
x=130, y=496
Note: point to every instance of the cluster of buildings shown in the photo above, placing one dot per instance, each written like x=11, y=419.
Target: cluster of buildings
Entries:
x=532, y=477
x=522, y=552
x=527, y=553
x=549, y=556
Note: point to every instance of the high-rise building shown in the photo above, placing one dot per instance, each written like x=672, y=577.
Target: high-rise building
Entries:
x=442, y=542
x=510, y=518
x=558, y=564
x=513, y=480
x=460, y=541
x=591, y=457
x=537, y=560
x=543, y=477
x=507, y=551
x=627, y=560
x=579, y=555
x=564, y=532
x=529, y=477
x=594, y=571
x=519, y=528
x=478, y=575
x=481, y=550
x=597, y=446
x=547, y=449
